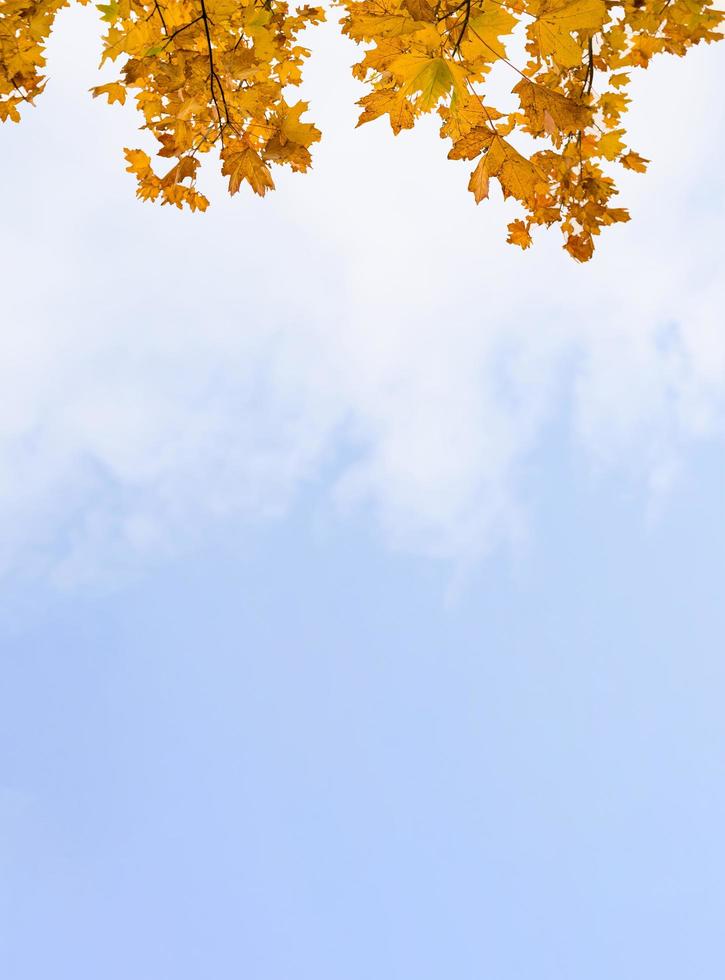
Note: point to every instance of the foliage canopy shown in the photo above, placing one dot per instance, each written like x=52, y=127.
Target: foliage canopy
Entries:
x=216, y=73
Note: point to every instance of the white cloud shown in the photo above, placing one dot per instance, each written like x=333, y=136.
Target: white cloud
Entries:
x=162, y=373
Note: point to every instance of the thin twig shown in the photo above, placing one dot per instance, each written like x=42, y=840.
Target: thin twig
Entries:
x=213, y=77
x=463, y=27
x=178, y=30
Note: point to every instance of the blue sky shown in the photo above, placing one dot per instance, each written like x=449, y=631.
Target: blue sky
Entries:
x=285, y=757
x=361, y=600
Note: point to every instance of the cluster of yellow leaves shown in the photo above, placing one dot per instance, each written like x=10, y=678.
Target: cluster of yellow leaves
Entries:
x=213, y=73
x=435, y=55
x=204, y=73
x=24, y=30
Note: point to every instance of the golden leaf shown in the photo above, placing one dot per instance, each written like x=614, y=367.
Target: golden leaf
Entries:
x=633, y=161
x=113, y=90
x=519, y=234
x=558, y=20
x=431, y=77
x=478, y=184
x=242, y=163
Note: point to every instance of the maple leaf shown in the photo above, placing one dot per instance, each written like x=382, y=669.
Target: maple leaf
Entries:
x=550, y=111
x=392, y=102
x=482, y=37
x=431, y=77
x=242, y=163
x=580, y=247
x=633, y=161
x=421, y=10
x=479, y=182
x=293, y=130
x=139, y=163
x=516, y=174
x=114, y=91
x=610, y=145
x=475, y=141
x=558, y=20
x=519, y=234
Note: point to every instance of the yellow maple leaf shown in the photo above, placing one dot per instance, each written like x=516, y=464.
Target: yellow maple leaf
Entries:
x=610, y=145
x=390, y=101
x=558, y=20
x=431, y=77
x=519, y=234
x=292, y=129
x=479, y=182
x=421, y=10
x=484, y=31
x=242, y=163
x=633, y=161
x=139, y=163
x=114, y=91
x=539, y=102
x=580, y=247
x=517, y=175
x=473, y=143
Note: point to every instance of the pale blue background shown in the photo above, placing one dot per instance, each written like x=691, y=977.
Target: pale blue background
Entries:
x=361, y=577
x=299, y=763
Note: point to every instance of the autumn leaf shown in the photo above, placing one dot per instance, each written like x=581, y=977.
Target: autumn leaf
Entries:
x=114, y=91
x=519, y=234
x=293, y=130
x=472, y=143
x=484, y=32
x=580, y=247
x=633, y=161
x=610, y=145
x=556, y=23
x=139, y=163
x=551, y=111
x=421, y=10
x=430, y=77
x=516, y=174
x=478, y=184
x=392, y=102
x=241, y=163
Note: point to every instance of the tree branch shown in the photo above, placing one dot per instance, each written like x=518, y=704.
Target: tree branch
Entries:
x=213, y=77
